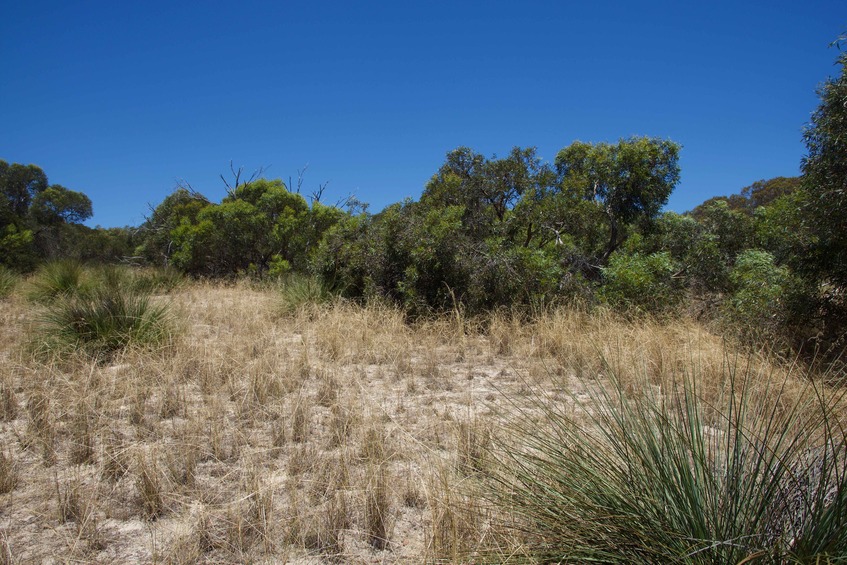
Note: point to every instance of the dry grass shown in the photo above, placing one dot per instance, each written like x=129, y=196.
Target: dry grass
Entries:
x=336, y=433
x=8, y=473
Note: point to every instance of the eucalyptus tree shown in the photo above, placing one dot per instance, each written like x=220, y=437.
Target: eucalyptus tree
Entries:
x=629, y=181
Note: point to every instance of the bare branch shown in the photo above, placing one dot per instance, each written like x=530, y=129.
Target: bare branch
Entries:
x=231, y=188
x=300, y=173
x=317, y=194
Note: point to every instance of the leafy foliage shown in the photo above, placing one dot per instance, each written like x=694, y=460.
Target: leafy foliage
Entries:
x=757, y=304
x=631, y=180
x=19, y=184
x=56, y=204
x=642, y=283
x=37, y=220
x=825, y=178
x=505, y=231
x=260, y=225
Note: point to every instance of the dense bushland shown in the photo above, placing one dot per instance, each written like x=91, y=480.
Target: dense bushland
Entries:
x=766, y=264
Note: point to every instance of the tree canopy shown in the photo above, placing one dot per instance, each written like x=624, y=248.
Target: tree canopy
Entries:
x=37, y=220
x=510, y=231
x=631, y=180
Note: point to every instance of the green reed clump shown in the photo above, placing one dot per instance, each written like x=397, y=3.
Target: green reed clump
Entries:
x=667, y=474
x=157, y=280
x=109, y=317
x=58, y=279
x=298, y=291
x=8, y=281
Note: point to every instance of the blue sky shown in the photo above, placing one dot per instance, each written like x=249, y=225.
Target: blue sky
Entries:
x=121, y=100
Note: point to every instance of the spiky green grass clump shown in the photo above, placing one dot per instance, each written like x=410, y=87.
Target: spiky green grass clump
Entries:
x=663, y=474
x=158, y=280
x=58, y=279
x=138, y=280
x=8, y=282
x=105, y=321
x=298, y=291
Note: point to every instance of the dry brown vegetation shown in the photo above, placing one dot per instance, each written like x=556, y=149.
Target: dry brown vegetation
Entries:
x=337, y=433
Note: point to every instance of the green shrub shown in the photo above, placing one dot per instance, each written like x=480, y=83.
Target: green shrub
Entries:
x=756, y=308
x=278, y=267
x=8, y=281
x=58, y=279
x=675, y=477
x=641, y=283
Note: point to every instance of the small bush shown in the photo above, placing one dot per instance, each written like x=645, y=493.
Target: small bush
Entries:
x=668, y=477
x=642, y=283
x=756, y=309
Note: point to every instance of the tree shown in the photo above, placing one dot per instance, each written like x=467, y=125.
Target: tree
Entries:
x=58, y=205
x=38, y=220
x=487, y=189
x=180, y=207
x=764, y=192
x=724, y=234
x=19, y=184
x=825, y=179
x=630, y=180
x=260, y=227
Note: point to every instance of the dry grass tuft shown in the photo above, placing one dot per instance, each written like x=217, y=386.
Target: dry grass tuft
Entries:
x=8, y=401
x=343, y=421
x=473, y=444
x=8, y=473
x=301, y=419
x=72, y=502
x=150, y=487
x=453, y=535
x=40, y=428
x=81, y=436
x=116, y=458
x=377, y=506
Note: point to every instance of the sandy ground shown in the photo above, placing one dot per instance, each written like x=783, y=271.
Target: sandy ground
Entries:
x=257, y=437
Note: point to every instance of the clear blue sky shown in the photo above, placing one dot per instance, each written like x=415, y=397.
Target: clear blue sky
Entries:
x=121, y=99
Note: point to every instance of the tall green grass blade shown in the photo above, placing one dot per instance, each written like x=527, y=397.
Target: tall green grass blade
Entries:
x=665, y=475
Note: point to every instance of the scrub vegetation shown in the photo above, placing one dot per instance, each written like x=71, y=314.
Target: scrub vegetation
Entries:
x=342, y=432
x=531, y=363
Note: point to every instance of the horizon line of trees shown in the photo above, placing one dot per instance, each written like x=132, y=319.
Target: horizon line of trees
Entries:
x=510, y=231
